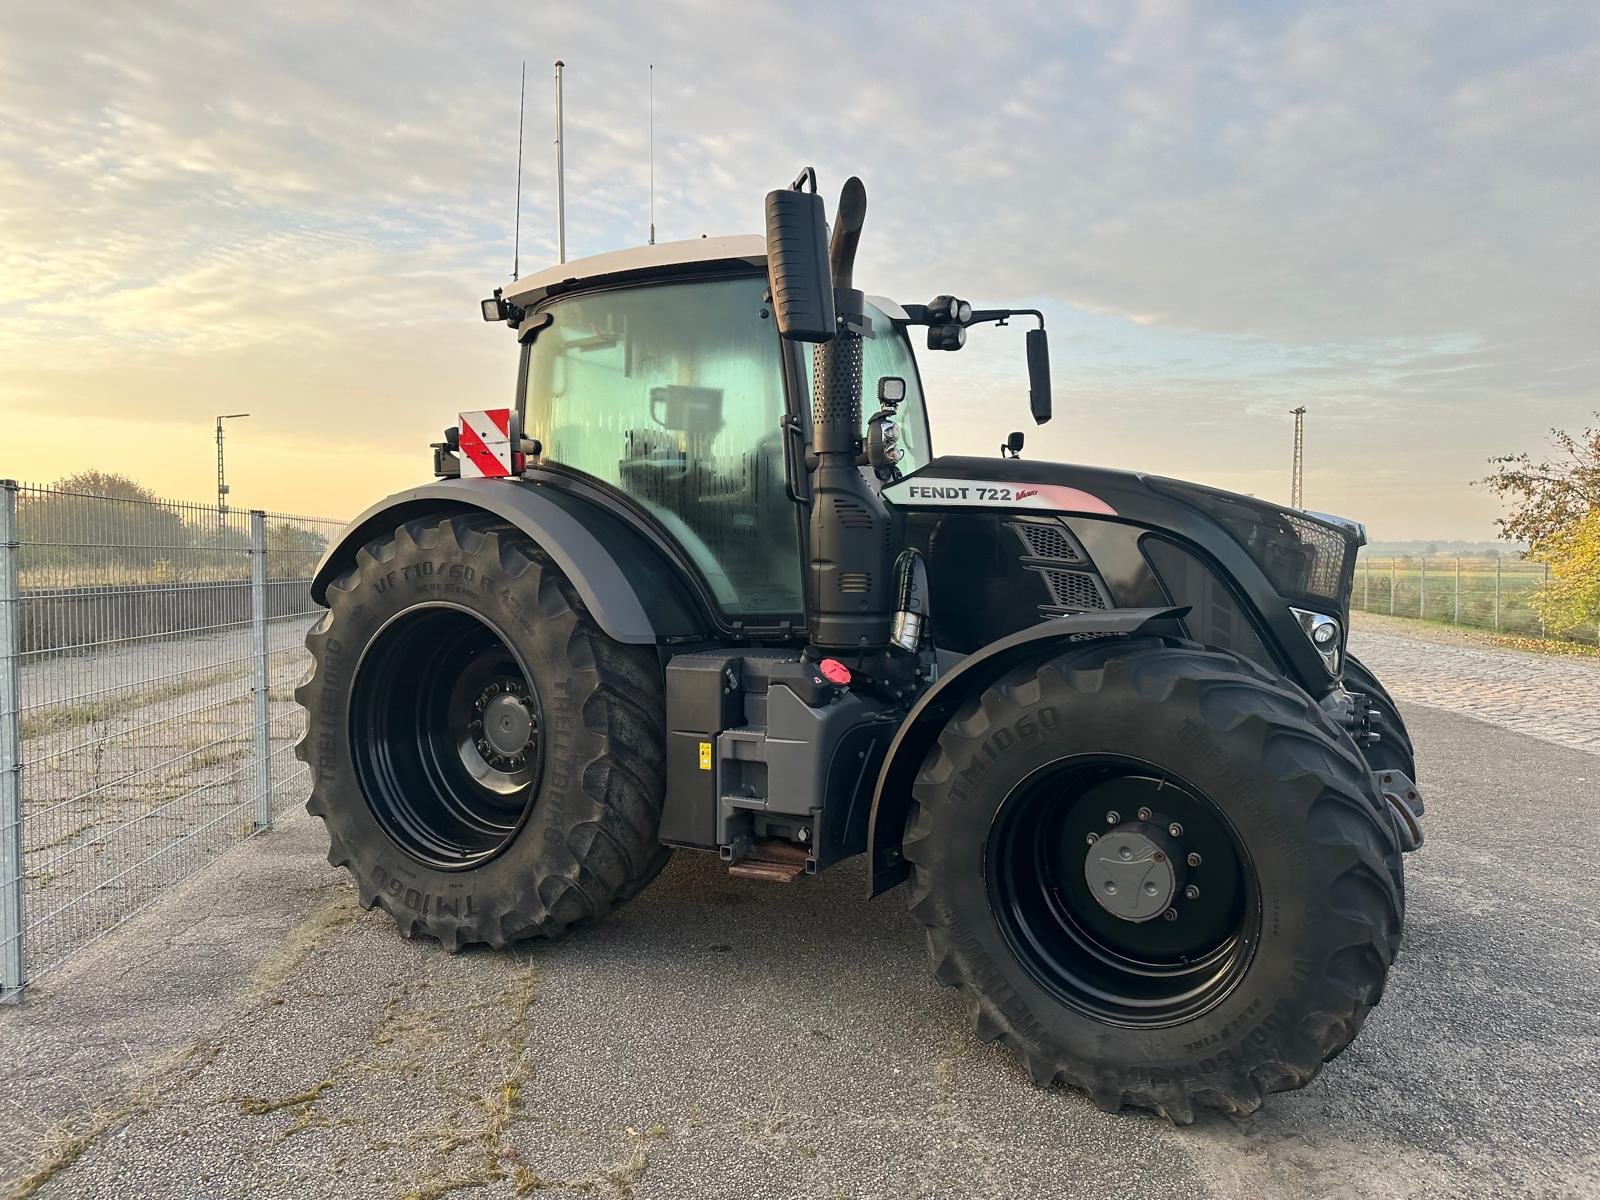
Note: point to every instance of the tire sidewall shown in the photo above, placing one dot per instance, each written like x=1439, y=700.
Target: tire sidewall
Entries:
x=1026, y=736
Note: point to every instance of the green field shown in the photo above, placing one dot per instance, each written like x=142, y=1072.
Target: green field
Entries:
x=1485, y=593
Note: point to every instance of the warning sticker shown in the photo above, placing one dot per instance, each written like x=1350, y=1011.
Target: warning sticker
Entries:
x=486, y=444
x=705, y=756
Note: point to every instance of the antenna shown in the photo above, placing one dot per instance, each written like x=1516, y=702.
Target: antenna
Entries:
x=516, y=236
x=1297, y=482
x=652, y=154
x=561, y=178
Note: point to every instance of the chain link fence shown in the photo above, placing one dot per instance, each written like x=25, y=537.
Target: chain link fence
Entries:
x=149, y=653
x=1486, y=593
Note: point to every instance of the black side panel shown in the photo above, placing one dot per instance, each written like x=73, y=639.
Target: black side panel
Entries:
x=636, y=595
x=1216, y=617
x=920, y=730
x=704, y=697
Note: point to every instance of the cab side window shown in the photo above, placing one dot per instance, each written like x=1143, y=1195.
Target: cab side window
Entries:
x=673, y=393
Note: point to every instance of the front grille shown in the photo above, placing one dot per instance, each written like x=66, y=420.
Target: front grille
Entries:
x=1324, y=576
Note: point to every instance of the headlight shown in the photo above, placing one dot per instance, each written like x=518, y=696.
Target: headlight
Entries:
x=1325, y=634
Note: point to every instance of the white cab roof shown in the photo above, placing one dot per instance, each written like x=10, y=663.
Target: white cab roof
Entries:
x=749, y=248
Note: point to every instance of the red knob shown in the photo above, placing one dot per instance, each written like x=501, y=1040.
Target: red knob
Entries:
x=835, y=672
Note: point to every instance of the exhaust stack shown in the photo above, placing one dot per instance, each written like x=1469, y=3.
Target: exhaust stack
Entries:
x=850, y=592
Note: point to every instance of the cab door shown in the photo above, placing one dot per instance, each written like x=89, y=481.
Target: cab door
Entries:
x=672, y=395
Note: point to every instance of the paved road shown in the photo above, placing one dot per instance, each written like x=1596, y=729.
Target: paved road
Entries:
x=256, y=1033
x=1552, y=697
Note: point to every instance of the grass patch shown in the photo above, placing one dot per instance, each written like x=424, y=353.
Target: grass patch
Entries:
x=76, y=714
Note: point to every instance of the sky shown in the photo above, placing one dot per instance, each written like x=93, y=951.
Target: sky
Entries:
x=1387, y=213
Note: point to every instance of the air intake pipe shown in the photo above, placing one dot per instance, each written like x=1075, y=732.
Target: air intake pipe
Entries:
x=851, y=589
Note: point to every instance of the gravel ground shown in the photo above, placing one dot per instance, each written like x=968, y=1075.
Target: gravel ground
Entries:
x=256, y=1033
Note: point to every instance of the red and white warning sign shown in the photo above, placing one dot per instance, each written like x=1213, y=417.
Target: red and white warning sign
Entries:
x=486, y=450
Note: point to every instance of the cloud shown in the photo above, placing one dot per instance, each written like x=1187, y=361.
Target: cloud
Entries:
x=1391, y=214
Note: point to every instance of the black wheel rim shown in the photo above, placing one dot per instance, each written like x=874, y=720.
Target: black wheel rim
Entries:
x=446, y=729
x=1135, y=966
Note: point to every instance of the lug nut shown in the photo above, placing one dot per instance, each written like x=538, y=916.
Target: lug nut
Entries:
x=1113, y=817
x=1191, y=892
x=1160, y=856
x=1193, y=860
x=1092, y=838
x=1144, y=814
x=1170, y=915
x=1175, y=829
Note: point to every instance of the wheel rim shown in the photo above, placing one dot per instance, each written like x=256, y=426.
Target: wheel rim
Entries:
x=1083, y=868
x=446, y=728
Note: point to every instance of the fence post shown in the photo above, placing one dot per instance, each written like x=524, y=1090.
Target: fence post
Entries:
x=1422, y=590
x=1543, y=632
x=13, y=975
x=1497, y=593
x=258, y=633
x=1458, y=591
x=1391, y=587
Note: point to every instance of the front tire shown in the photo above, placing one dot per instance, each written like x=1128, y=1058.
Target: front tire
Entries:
x=488, y=763
x=1393, y=750
x=1263, y=972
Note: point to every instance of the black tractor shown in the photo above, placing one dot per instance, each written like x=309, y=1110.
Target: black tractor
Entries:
x=680, y=595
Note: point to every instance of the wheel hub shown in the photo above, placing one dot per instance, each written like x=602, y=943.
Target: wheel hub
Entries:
x=1130, y=874
x=507, y=724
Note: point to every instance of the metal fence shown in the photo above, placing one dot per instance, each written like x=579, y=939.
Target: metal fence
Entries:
x=149, y=653
x=1487, y=593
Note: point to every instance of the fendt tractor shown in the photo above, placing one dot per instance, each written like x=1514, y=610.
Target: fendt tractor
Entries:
x=1103, y=726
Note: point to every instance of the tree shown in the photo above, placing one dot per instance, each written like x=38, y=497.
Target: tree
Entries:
x=97, y=527
x=1556, y=510
x=1550, y=495
x=1571, y=596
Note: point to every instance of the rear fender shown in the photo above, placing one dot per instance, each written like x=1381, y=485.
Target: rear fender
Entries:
x=634, y=592
x=891, y=801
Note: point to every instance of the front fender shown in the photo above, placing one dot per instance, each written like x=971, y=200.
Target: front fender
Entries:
x=891, y=801
x=634, y=593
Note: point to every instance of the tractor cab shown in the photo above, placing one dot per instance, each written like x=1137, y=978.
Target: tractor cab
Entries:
x=659, y=373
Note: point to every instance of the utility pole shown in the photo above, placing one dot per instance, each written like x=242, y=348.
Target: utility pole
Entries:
x=1297, y=485
x=561, y=178
x=222, y=479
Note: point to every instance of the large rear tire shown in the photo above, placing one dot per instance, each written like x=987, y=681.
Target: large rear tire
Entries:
x=488, y=763
x=1205, y=773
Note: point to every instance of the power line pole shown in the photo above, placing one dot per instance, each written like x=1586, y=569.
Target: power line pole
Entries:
x=222, y=479
x=1297, y=485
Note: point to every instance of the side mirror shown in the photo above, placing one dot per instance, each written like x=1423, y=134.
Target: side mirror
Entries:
x=1013, y=446
x=797, y=262
x=1038, y=376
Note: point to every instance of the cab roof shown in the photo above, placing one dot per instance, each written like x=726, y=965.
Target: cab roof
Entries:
x=749, y=249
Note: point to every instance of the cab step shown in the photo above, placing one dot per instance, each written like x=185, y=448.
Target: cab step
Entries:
x=772, y=861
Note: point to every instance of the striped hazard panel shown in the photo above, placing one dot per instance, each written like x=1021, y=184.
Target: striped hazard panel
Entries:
x=485, y=444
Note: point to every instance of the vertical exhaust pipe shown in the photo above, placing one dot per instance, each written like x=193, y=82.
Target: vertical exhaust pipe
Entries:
x=849, y=585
